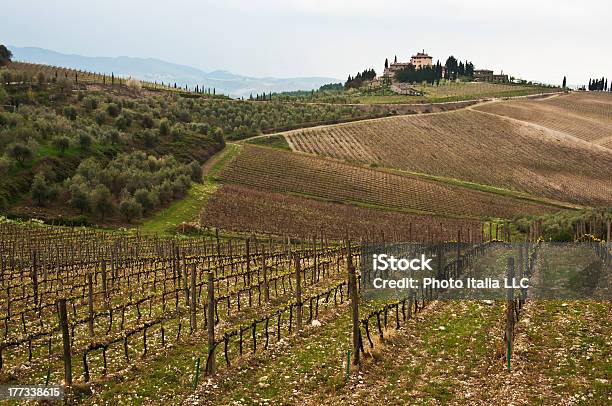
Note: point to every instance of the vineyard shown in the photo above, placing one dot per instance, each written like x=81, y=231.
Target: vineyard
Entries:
x=95, y=309
x=123, y=298
x=584, y=116
x=300, y=174
x=240, y=208
x=444, y=92
x=85, y=307
x=471, y=146
x=260, y=289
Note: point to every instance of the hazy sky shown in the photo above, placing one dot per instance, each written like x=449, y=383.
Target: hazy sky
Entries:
x=540, y=40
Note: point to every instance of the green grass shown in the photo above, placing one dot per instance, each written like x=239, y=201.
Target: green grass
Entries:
x=515, y=194
x=181, y=211
x=160, y=380
x=221, y=159
x=273, y=141
x=385, y=98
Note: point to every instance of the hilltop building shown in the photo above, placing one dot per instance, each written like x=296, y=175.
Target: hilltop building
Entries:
x=419, y=60
x=486, y=75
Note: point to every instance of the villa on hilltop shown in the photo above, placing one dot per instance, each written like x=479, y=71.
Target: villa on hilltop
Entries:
x=420, y=60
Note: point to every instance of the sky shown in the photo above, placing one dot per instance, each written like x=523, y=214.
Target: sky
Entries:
x=539, y=40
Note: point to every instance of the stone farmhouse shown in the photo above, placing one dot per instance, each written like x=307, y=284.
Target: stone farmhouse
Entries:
x=419, y=60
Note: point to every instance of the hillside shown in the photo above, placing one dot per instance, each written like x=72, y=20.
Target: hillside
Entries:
x=54, y=120
x=332, y=180
x=587, y=116
x=472, y=146
x=239, y=208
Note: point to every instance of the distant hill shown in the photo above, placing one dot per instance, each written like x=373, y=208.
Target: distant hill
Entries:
x=161, y=71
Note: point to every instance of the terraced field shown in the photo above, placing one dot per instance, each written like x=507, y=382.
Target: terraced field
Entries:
x=472, y=146
x=587, y=116
x=309, y=176
x=240, y=208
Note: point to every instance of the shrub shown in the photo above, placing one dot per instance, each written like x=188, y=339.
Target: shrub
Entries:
x=85, y=141
x=79, y=199
x=101, y=201
x=147, y=121
x=164, y=127
x=20, y=152
x=123, y=122
x=144, y=198
x=40, y=190
x=164, y=191
x=130, y=209
x=113, y=109
x=70, y=113
x=101, y=117
x=3, y=96
x=113, y=136
x=90, y=103
x=62, y=143
x=149, y=138
x=5, y=165
x=196, y=171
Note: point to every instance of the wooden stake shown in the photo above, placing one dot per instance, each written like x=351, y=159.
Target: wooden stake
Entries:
x=354, y=303
x=298, y=291
x=63, y=319
x=211, y=364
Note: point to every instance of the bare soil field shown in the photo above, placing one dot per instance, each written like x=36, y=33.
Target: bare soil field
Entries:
x=587, y=116
x=475, y=147
x=240, y=208
x=310, y=176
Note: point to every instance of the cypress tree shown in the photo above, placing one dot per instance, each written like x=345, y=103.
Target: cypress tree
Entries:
x=386, y=63
x=564, y=82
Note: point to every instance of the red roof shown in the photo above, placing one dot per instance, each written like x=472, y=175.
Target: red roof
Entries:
x=421, y=55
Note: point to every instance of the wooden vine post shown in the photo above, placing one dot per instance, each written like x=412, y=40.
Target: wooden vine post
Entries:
x=104, y=280
x=354, y=302
x=90, y=304
x=210, y=308
x=509, y=310
x=264, y=269
x=35, y=277
x=248, y=261
x=298, y=291
x=63, y=319
x=193, y=301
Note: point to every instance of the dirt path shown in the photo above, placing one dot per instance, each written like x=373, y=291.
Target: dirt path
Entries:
x=479, y=102
x=570, y=139
x=212, y=162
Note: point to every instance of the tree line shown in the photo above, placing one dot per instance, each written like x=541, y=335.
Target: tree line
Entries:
x=430, y=74
x=357, y=81
x=599, y=85
x=451, y=70
x=455, y=69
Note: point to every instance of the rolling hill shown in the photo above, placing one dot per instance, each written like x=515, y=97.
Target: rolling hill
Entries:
x=472, y=146
x=152, y=70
